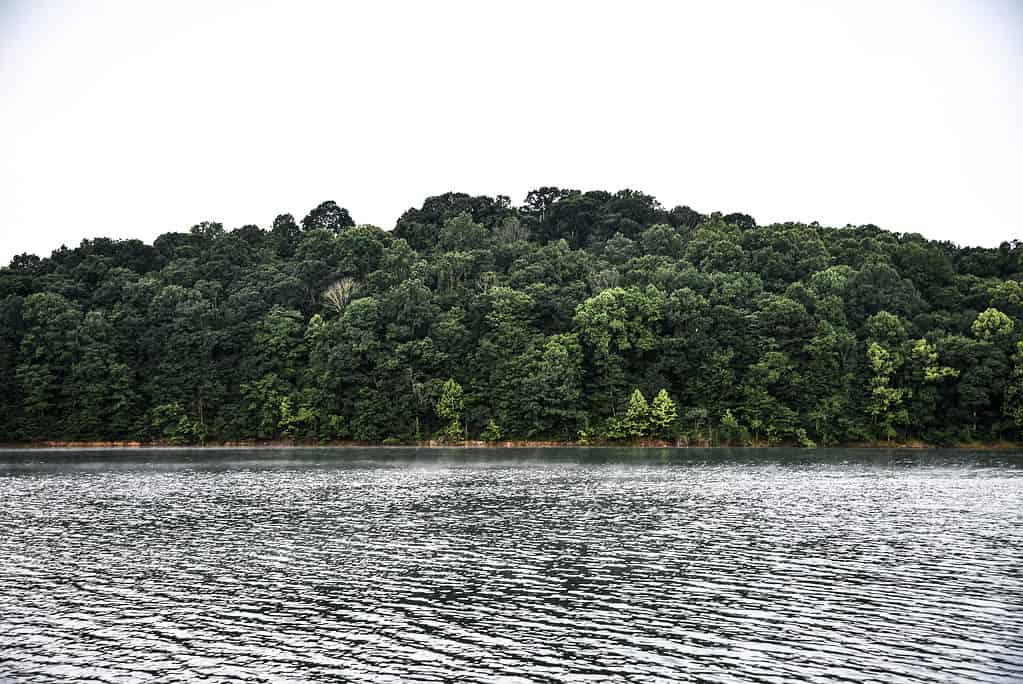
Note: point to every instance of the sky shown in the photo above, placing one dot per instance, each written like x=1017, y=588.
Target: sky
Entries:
x=132, y=119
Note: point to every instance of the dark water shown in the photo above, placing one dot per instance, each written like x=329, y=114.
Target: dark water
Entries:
x=535, y=565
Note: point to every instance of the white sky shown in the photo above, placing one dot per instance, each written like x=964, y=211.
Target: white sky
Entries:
x=130, y=119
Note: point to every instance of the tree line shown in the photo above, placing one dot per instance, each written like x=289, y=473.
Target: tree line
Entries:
x=589, y=316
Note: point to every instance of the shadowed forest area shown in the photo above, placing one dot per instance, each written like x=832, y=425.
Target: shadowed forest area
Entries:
x=589, y=316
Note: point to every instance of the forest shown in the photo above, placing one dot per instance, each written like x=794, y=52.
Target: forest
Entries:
x=589, y=317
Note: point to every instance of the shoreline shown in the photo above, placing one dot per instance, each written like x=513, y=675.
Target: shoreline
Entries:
x=478, y=444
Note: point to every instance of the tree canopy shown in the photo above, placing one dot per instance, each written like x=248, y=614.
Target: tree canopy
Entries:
x=592, y=315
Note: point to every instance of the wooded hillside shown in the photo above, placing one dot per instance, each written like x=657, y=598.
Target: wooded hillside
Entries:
x=540, y=320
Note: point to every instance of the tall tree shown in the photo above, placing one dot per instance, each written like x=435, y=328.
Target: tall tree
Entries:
x=662, y=414
x=328, y=216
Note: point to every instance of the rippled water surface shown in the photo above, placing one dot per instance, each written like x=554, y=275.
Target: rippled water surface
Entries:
x=532, y=565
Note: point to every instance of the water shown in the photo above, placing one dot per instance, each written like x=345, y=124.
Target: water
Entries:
x=532, y=565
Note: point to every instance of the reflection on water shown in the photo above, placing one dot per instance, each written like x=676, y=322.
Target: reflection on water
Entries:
x=538, y=565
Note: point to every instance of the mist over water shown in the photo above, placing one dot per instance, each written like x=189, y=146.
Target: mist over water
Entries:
x=526, y=565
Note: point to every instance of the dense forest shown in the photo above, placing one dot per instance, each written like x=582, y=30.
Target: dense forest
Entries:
x=588, y=316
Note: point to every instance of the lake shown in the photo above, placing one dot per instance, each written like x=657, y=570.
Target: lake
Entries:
x=520, y=565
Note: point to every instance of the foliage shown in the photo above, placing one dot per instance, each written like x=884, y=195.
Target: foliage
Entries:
x=885, y=401
x=450, y=406
x=553, y=319
x=492, y=432
x=663, y=413
x=992, y=326
x=451, y=402
x=731, y=431
x=637, y=418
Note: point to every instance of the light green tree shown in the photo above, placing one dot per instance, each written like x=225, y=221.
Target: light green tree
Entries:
x=450, y=407
x=637, y=417
x=492, y=432
x=925, y=356
x=991, y=325
x=295, y=423
x=730, y=428
x=885, y=403
x=169, y=423
x=926, y=375
x=662, y=413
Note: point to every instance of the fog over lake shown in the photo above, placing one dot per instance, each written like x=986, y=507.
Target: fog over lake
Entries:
x=516, y=564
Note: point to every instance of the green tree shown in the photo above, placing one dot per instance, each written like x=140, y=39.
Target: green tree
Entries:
x=105, y=401
x=663, y=413
x=328, y=216
x=285, y=235
x=169, y=423
x=552, y=397
x=449, y=407
x=460, y=233
x=885, y=404
x=263, y=400
x=993, y=326
x=637, y=418
x=928, y=377
x=731, y=430
x=1013, y=403
x=618, y=327
x=46, y=358
x=492, y=432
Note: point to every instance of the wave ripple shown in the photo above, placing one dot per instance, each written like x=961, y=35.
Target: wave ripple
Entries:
x=278, y=569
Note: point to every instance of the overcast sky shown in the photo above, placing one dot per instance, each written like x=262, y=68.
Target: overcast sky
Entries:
x=130, y=119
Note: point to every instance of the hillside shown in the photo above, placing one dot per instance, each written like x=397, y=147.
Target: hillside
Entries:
x=475, y=316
